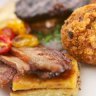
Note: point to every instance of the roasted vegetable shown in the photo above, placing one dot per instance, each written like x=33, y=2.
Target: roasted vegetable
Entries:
x=8, y=32
x=5, y=44
x=33, y=10
x=25, y=41
x=16, y=25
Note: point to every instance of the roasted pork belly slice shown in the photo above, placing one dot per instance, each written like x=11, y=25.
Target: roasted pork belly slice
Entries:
x=6, y=74
x=23, y=67
x=16, y=63
x=43, y=59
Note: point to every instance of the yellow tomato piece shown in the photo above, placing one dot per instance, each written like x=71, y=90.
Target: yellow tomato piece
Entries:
x=25, y=41
x=16, y=25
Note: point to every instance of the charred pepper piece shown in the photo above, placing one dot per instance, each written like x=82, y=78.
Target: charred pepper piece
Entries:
x=32, y=10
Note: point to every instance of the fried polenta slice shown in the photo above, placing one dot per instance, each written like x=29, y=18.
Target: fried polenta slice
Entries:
x=47, y=92
x=66, y=80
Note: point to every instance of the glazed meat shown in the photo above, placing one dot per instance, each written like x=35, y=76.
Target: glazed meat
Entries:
x=6, y=74
x=43, y=62
x=43, y=59
x=16, y=63
x=21, y=67
x=32, y=10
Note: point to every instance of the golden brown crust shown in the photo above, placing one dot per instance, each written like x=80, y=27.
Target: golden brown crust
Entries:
x=47, y=92
x=79, y=34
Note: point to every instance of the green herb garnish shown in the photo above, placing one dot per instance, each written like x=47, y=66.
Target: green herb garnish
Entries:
x=53, y=35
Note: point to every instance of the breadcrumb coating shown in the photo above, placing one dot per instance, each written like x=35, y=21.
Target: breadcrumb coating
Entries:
x=79, y=34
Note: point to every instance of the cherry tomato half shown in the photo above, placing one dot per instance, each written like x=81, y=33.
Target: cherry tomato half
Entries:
x=8, y=31
x=5, y=44
x=25, y=41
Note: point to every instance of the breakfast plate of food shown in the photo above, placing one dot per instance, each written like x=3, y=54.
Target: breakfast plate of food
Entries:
x=47, y=48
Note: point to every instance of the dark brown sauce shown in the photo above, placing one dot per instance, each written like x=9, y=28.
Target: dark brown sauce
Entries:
x=67, y=74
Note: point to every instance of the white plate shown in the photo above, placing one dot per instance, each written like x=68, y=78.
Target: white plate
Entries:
x=88, y=80
x=88, y=77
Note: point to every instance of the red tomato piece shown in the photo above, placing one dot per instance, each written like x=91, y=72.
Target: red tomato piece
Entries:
x=5, y=44
x=9, y=32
